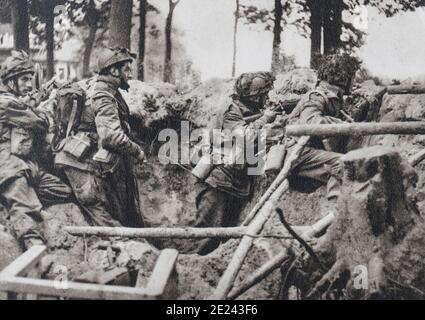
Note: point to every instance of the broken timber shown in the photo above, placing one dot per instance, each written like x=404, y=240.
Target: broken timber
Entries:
x=356, y=129
x=160, y=285
x=279, y=259
x=175, y=233
x=256, y=220
x=281, y=177
x=406, y=89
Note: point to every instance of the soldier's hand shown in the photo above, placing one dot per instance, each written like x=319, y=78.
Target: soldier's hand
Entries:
x=269, y=116
x=141, y=158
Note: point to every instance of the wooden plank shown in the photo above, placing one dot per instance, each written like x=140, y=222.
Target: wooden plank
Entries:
x=227, y=280
x=277, y=261
x=76, y=290
x=176, y=233
x=281, y=177
x=163, y=275
x=319, y=226
x=356, y=129
x=406, y=89
x=417, y=158
x=260, y=274
x=24, y=262
x=159, y=285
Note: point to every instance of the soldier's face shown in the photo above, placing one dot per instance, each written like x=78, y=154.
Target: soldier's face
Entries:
x=23, y=84
x=126, y=72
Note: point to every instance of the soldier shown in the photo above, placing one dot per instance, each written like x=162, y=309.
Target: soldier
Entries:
x=24, y=187
x=102, y=178
x=219, y=203
x=320, y=158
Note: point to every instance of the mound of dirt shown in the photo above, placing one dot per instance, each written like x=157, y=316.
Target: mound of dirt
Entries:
x=152, y=102
x=203, y=102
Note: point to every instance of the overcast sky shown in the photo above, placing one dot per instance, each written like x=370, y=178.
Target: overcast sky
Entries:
x=395, y=47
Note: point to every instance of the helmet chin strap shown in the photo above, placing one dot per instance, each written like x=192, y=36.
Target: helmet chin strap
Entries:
x=14, y=87
x=123, y=85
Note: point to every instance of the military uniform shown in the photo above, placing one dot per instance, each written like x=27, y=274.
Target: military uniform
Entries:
x=24, y=186
x=318, y=160
x=220, y=202
x=107, y=192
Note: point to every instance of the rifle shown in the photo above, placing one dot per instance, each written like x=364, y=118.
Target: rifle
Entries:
x=285, y=105
x=42, y=93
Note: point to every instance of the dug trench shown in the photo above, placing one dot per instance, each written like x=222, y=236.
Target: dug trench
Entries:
x=168, y=194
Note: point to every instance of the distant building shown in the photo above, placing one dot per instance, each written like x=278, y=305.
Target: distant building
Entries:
x=67, y=67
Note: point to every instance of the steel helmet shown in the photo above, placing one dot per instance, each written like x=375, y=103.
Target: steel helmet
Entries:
x=112, y=56
x=337, y=69
x=18, y=63
x=253, y=84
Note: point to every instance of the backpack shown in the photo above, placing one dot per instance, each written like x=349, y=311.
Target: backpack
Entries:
x=70, y=102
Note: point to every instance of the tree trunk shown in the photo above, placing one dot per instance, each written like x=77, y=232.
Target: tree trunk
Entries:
x=88, y=48
x=332, y=25
x=50, y=40
x=235, y=33
x=316, y=21
x=142, y=40
x=120, y=23
x=277, y=31
x=20, y=22
x=168, y=72
x=92, y=17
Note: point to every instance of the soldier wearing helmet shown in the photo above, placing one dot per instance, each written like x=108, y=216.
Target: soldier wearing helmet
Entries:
x=220, y=201
x=25, y=187
x=103, y=179
x=319, y=161
x=16, y=73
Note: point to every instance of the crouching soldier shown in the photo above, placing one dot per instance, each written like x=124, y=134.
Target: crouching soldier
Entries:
x=227, y=188
x=97, y=154
x=24, y=187
x=319, y=161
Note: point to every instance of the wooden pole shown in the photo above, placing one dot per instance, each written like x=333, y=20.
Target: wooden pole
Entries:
x=279, y=179
x=227, y=280
x=277, y=261
x=175, y=233
x=406, y=89
x=417, y=158
x=356, y=129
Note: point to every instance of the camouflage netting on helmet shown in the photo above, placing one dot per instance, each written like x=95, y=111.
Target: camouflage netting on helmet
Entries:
x=337, y=68
x=293, y=85
x=253, y=83
x=18, y=63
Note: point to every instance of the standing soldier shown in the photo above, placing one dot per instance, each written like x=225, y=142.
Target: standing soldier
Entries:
x=102, y=177
x=228, y=186
x=320, y=158
x=24, y=187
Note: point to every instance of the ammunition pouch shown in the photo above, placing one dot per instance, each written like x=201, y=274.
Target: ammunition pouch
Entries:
x=78, y=145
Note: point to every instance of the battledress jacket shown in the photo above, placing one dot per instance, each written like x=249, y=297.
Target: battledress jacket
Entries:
x=16, y=116
x=320, y=106
x=105, y=123
x=233, y=178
